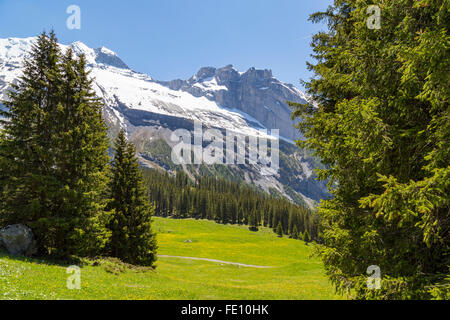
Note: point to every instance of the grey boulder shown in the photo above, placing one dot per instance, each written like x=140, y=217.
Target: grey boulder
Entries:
x=18, y=239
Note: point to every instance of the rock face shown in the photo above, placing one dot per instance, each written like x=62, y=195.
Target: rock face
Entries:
x=18, y=240
x=255, y=92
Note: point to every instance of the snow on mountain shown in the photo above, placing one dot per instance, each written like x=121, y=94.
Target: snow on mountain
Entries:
x=15, y=48
x=224, y=98
x=120, y=86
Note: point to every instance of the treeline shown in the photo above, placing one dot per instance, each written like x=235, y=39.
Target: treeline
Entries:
x=228, y=202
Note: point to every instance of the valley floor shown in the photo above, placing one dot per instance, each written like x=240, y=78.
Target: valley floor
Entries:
x=227, y=269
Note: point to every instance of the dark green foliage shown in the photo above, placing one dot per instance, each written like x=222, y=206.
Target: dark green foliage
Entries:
x=382, y=127
x=279, y=229
x=306, y=236
x=294, y=234
x=53, y=154
x=253, y=221
x=132, y=239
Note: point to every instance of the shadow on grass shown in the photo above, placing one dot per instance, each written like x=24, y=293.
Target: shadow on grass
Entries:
x=45, y=260
x=109, y=264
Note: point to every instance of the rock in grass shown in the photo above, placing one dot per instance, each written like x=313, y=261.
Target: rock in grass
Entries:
x=18, y=239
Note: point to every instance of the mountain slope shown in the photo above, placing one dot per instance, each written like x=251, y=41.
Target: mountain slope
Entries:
x=226, y=99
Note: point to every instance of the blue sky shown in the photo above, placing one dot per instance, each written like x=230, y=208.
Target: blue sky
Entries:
x=171, y=39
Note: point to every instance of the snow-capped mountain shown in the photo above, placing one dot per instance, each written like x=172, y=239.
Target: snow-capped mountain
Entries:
x=119, y=86
x=224, y=98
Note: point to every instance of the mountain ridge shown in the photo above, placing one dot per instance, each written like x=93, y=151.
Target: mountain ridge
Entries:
x=223, y=98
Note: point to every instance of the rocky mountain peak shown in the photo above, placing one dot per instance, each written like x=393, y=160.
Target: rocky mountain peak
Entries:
x=108, y=57
x=255, y=92
x=204, y=73
x=227, y=74
x=258, y=74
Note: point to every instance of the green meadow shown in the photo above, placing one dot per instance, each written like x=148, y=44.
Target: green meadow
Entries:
x=293, y=273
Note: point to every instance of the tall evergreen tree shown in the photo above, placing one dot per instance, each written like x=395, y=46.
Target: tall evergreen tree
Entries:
x=54, y=149
x=295, y=232
x=253, y=221
x=382, y=127
x=279, y=229
x=132, y=238
x=306, y=236
x=26, y=147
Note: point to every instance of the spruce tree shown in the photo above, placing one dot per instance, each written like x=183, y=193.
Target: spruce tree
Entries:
x=82, y=159
x=279, y=230
x=294, y=232
x=253, y=221
x=380, y=124
x=306, y=236
x=54, y=147
x=132, y=238
x=26, y=145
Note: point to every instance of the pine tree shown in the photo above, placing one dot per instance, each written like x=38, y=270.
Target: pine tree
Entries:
x=279, y=229
x=240, y=218
x=82, y=161
x=132, y=239
x=55, y=150
x=294, y=232
x=306, y=236
x=253, y=221
x=26, y=146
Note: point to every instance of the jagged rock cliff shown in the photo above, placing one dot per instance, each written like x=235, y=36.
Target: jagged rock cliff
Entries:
x=255, y=92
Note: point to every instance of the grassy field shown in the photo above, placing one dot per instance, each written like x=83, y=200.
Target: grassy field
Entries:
x=294, y=274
